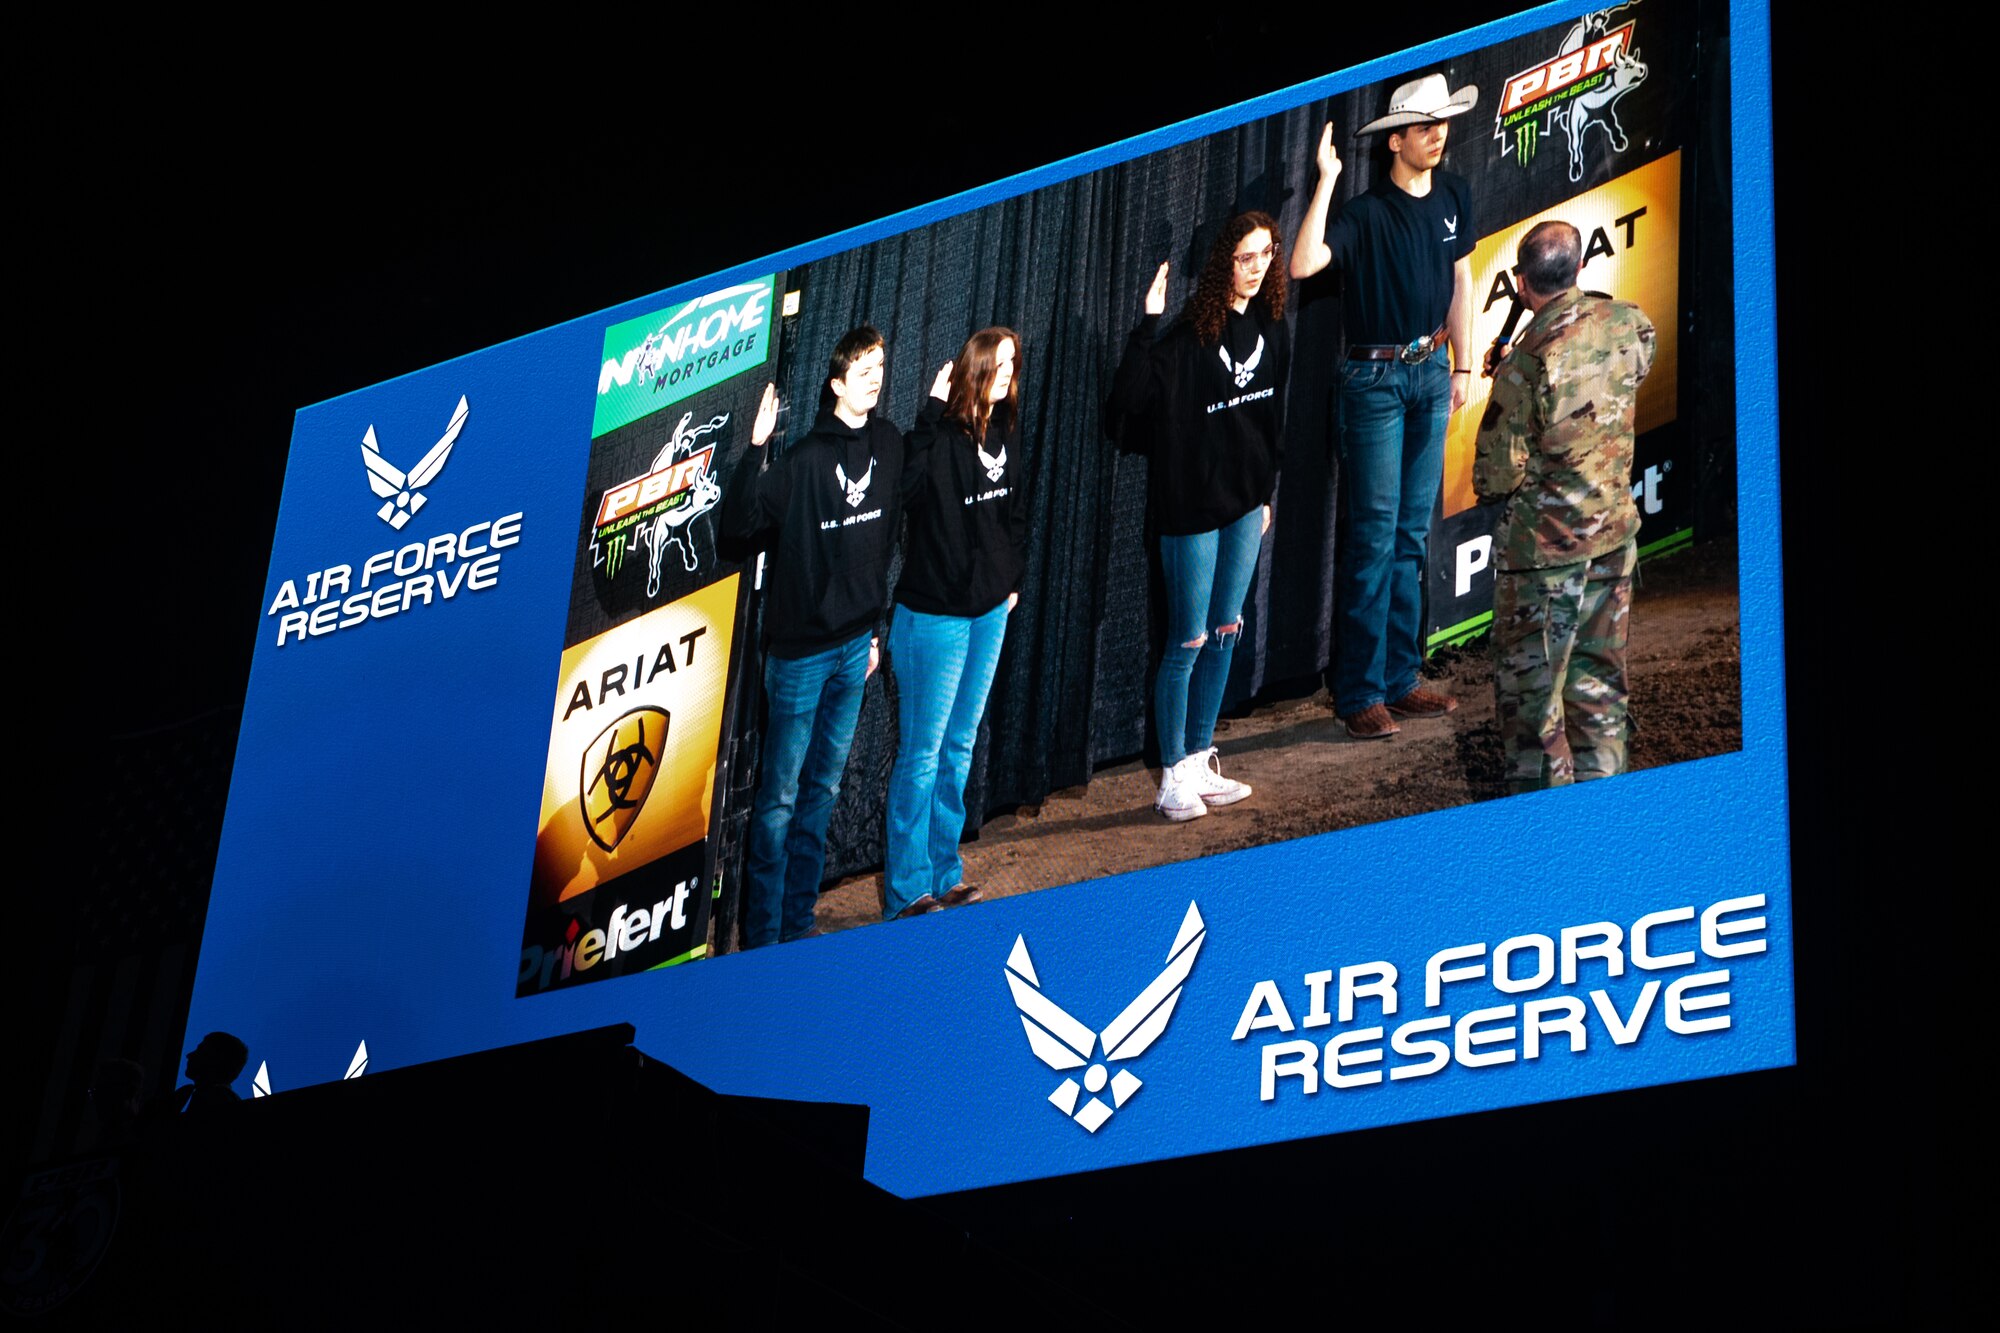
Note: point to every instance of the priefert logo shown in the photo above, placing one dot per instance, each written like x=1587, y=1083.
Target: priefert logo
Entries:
x=1061, y=1042
x=631, y=927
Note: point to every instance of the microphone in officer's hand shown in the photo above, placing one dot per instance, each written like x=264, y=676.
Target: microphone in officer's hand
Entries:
x=1499, y=347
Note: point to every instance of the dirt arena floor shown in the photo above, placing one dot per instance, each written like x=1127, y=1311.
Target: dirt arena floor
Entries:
x=1685, y=677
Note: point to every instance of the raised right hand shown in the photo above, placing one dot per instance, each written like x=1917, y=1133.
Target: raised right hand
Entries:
x=1327, y=159
x=1156, y=295
x=767, y=417
x=941, y=386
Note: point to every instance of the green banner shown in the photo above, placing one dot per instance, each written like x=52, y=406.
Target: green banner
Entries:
x=656, y=360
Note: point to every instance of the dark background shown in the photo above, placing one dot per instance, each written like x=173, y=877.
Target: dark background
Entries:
x=207, y=242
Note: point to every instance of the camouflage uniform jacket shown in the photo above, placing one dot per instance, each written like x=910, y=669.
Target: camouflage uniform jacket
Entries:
x=1555, y=444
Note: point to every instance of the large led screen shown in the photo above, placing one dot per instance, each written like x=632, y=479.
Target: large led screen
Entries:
x=523, y=753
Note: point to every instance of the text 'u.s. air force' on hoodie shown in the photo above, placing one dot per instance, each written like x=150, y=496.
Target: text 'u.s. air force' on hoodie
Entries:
x=1212, y=419
x=832, y=501
x=968, y=506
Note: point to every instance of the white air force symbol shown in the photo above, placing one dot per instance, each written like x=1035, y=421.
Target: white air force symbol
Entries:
x=1060, y=1042
x=400, y=496
x=996, y=467
x=857, y=491
x=1242, y=371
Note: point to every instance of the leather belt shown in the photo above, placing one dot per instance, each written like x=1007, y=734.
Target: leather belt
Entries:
x=1414, y=352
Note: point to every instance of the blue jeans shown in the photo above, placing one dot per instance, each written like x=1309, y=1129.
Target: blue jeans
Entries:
x=815, y=702
x=1392, y=424
x=1208, y=576
x=944, y=669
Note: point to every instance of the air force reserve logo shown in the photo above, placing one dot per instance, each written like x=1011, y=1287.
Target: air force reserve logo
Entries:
x=398, y=489
x=857, y=491
x=1242, y=371
x=1061, y=1042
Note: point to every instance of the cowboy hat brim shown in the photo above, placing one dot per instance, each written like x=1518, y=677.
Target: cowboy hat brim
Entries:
x=1458, y=104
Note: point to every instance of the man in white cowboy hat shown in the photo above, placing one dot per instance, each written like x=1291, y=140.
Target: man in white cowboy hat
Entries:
x=1404, y=249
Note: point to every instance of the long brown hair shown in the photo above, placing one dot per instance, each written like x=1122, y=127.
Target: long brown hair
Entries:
x=1208, y=308
x=972, y=383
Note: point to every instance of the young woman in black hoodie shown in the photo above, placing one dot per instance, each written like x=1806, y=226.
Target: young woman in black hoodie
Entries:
x=1207, y=402
x=965, y=490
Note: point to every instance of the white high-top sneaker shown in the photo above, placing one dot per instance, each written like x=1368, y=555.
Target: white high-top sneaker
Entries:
x=1180, y=798
x=1210, y=785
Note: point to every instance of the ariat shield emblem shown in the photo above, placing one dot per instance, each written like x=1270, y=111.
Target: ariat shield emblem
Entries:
x=619, y=768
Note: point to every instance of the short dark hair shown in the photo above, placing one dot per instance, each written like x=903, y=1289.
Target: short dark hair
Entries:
x=1549, y=256
x=853, y=345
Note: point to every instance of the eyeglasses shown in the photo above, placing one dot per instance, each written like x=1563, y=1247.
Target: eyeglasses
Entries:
x=1255, y=257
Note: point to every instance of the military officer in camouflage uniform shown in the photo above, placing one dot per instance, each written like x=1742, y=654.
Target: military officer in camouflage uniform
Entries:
x=1555, y=448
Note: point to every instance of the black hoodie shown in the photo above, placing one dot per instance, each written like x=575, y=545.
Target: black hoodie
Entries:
x=1212, y=418
x=968, y=526
x=832, y=502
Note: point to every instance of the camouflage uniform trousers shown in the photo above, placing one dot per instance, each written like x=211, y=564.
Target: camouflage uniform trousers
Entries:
x=1559, y=669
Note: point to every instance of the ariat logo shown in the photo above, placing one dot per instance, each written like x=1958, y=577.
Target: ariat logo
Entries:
x=857, y=491
x=619, y=769
x=401, y=497
x=1061, y=1042
x=1241, y=371
x=1451, y=226
x=1578, y=87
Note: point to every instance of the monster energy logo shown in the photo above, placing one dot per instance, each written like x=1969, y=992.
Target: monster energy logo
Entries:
x=1524, y=141
x=615, y=556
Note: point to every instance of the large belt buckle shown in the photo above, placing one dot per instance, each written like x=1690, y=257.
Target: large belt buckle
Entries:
x=1417, y=350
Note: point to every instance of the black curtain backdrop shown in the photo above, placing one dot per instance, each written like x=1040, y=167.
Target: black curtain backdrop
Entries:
x=1066, y=266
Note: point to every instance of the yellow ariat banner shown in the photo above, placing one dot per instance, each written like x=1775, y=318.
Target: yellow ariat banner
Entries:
x=1631, y=243
x=632, y=743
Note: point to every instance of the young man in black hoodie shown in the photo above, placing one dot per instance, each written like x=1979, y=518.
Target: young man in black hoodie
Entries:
x=830, y=506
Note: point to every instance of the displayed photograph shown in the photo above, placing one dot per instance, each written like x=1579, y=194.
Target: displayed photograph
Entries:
x=1367, y=459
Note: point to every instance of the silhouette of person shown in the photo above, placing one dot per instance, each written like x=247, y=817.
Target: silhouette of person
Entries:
x=212, y=1066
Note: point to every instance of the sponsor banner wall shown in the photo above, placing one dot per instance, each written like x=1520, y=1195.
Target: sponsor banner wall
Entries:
x=631, y=779
x=638, y=731
x=1586, y=121
x=1631, y=229
x=409, y=731
x=1631, y=244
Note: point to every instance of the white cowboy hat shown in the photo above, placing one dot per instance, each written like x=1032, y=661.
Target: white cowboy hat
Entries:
x=1422, y=100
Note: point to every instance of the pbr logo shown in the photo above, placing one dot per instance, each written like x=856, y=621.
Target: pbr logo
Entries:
x=398, y=489
x=1578, y=87
x=654, y=510
x=1061, y=1042
x=618, y=772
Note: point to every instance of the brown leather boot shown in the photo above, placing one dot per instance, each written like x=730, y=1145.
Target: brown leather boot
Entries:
x=1372, y=723
x=1421, y=702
